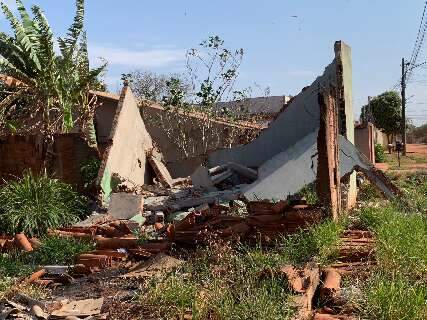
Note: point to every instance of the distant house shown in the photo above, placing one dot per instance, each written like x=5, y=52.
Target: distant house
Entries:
x=268, y=107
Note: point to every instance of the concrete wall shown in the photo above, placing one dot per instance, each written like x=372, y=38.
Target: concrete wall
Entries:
x=129, y=141
x=221, y=135
x=364, y=140
x=345, y=108
x=300, y=119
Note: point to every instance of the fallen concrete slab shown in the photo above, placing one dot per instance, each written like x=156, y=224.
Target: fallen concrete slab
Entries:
x=285, y=151
x=201, y=180
x=125, y=157
x=160, y=169
x=288, y=172
x=125, y=205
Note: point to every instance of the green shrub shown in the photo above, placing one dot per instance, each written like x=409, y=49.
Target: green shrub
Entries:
x=309, y=193
x=34, y=204
x=60, y=251
x=379, y=153
x=394, y=298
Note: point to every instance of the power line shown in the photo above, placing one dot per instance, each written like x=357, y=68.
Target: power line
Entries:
x=420, y=36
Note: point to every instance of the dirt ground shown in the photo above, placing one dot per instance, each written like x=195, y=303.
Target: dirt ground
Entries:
x=417, y=149
x=416, y=159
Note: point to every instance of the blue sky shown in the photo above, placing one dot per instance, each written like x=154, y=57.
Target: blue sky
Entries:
x=282, y=52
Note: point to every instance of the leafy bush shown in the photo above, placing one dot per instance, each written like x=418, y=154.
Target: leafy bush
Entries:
x=60, y=251
x=379, y=153
x=34, y=204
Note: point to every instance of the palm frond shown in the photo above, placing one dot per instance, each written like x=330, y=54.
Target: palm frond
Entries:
x=13, y=54
x=11, y=70
x=46, y=46
x=21, y=35
x=69, y=44
x=27, y=22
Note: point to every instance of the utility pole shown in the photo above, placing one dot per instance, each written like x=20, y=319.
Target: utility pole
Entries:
x=403, y=92
x=370, y=117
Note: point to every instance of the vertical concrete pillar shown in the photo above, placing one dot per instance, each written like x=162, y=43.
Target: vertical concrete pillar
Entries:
x=345, y=107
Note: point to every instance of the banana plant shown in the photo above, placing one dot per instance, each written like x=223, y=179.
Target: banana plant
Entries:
x=56, y=84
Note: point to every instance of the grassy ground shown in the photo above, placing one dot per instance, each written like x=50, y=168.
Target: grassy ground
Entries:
x=397, y=287
x=222, y=282
x=407, y=162
x=239, y=282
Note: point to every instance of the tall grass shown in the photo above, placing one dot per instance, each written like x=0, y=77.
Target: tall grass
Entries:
x=397, y=297
x=33, y=204
x=397, y=288
x=320, y=243
x=401, y=240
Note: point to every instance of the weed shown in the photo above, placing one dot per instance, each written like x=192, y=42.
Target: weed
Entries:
x=173, y=296
x=401, y=240
x=396, y=297
x=320, y=243
x=14, y=264
x=309, y=193
x=6, y=284
x=61, y=251
x=367, y=192
x=414, y=189
x=34, y=204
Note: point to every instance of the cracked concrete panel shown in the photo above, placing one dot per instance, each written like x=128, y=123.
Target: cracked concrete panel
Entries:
x=287, y=172
x=125, y=157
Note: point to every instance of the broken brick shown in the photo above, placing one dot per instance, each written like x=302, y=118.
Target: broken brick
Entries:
x=23, y=243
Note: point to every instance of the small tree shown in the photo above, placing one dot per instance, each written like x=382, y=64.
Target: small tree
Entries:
x=385, y=111
x=212, y=69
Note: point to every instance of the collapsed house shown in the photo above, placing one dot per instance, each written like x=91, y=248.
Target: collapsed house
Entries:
x=312, y=139
x=296, y=149
x=244, y=193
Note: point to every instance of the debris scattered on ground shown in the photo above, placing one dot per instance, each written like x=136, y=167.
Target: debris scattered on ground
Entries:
x=82, y=308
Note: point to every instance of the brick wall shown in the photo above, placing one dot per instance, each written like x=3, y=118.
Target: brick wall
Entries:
x=19, y=153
